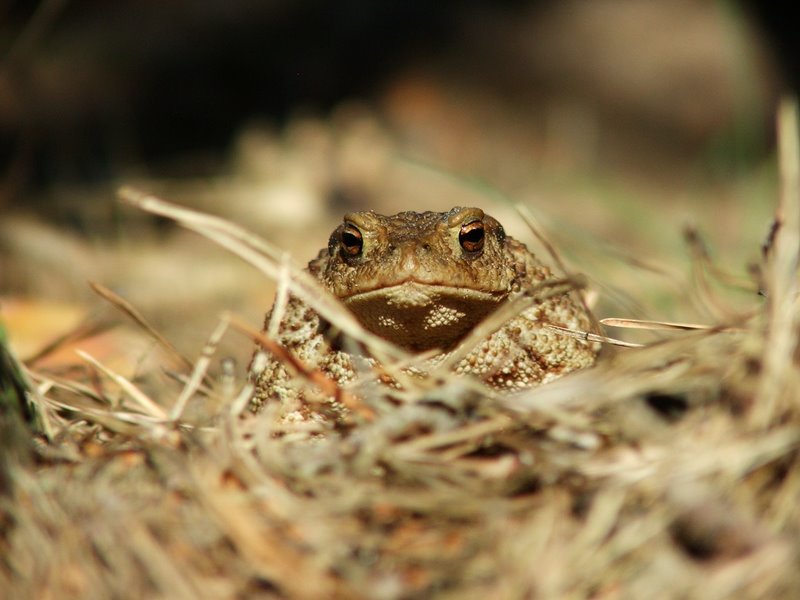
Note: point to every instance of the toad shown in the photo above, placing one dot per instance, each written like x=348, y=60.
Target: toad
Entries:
x=424, y=281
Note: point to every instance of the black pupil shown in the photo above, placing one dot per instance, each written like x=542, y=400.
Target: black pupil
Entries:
x=350, y=239
x=472, y=236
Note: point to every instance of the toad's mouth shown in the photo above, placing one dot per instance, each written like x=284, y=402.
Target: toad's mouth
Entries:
x=419, y=316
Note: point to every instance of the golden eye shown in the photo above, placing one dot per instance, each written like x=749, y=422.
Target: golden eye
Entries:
x=471, y=236
x=352, y=240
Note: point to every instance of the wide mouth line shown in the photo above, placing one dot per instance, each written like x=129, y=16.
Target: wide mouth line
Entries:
x=426, y=285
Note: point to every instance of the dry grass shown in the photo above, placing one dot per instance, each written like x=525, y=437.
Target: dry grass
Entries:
x=669, y=471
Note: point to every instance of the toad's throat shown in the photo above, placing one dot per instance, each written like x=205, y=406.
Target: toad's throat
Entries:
x=420, y=317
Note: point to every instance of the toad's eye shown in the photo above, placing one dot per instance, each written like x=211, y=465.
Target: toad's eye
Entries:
x=471, y=236
x=352, y=240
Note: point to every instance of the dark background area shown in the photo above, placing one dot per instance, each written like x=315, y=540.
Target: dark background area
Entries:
x=152, y=81
x=90, y=88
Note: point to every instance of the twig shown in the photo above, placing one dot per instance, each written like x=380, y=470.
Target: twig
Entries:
x=328, y=386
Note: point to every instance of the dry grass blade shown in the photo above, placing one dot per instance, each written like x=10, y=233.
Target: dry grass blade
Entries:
x=127, y=308
x=448, y=438
x=530, y=221
x=702, y=292
x=663, y=325
x=328, y=386
x=631, y=374
x=281, y=297
x=268, y=260
x=704, y=263
x=73, y=387
x=782, y=270
x=200, y=368
x=505, y=313
x=268, y=546
x=123, y=422
x=637, y=263
x=159, y=564
x=646, y=324
x=144, y=402
x=591, y=337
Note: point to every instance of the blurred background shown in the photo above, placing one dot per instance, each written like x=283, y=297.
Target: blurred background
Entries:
x=618, y=123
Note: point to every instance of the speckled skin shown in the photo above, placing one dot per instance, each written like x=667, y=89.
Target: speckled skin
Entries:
x=423, y=281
